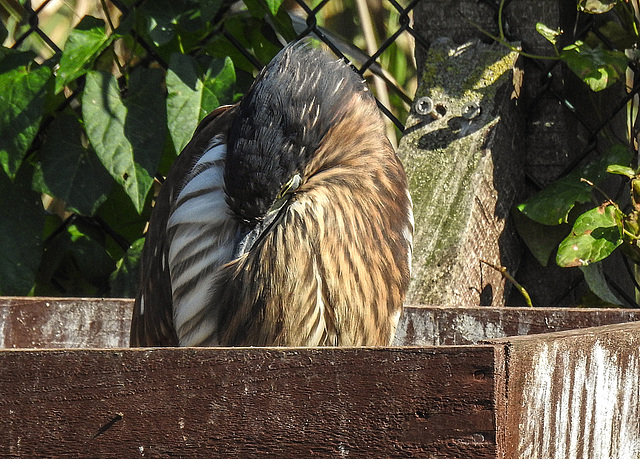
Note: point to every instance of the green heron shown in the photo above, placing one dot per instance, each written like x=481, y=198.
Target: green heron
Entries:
x=286, y=221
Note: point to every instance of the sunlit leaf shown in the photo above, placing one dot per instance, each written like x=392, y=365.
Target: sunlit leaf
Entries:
x=547, y=32
x=84, y=45
x=598, y=67
x=23, y=92
x=274, y=6
x=596, y=6
x=193, y=93
x=128, y=135
x=621, y=170
x=552, y=205
x=595, y=235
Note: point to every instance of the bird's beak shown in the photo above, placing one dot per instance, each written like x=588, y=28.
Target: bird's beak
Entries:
x=247, y=236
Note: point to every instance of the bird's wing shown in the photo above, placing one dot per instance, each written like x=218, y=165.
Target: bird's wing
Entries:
x=153, y=316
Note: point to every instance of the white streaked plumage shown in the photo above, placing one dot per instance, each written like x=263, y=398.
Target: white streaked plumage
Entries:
x=290, y=227
x=199, y=215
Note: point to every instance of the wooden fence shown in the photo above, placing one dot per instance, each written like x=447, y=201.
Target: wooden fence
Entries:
x=457, y=384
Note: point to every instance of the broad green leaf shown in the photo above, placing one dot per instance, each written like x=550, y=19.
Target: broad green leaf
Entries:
x=596, y=6
x=128, y=136
x=23, y=93
x=21, y=224
x=598, y=67
x=547, y=32
x=621, y=170
x=84, y=45
x=219, y=84
x=552, y=205
x=209, y=8
x=595, y=235
x=594, y=276
x=274, y=6
x=192, y=94
x=124, y=280
x=70, y=171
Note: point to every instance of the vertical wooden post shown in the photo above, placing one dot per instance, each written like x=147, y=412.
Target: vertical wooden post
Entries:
x=462, y=152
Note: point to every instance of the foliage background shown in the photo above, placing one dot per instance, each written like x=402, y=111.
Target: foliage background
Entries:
x=98, y=97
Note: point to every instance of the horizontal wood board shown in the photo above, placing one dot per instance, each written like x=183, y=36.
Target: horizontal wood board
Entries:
x=360, y=402
x=567, y=394
x=44, y=323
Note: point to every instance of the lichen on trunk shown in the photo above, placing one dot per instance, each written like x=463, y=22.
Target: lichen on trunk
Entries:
x=464, y=168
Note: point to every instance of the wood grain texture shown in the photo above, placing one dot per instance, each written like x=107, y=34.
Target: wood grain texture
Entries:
x=465, y=173
x=572, y=394
x=30, y=323
x=360, y=402
x=71, y=323
x=445, y=325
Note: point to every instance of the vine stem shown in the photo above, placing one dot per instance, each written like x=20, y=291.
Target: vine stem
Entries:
x=502, y=270
x=506, y=43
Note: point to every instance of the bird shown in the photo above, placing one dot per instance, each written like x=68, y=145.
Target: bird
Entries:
x=285, y=221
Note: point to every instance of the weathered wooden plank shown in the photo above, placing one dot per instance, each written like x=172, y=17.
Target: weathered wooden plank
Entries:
x=444, y=325
x=361, y=402
x=40, y=323
x=64, y=322
x=573, y=394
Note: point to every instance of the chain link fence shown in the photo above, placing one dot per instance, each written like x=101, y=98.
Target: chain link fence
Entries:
x=31, y=30
x=377, y=38
x=566, y=123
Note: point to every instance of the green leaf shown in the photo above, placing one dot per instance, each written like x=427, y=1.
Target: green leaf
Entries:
x=69, y=171
x=547, y=32
x=128, y=136
x=598, y=67
x=124, y=280
x=552, y=205
x=21, y=224
x=219, y=84
x=274, y=6
x=209, y=8
x=192, y=94
x=596, y=6
x=594, y=276
x=595, y=235
x=84, y=45
x=621, y=170
x=23, y=93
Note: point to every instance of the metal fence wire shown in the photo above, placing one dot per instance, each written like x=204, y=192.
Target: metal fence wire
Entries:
x=561, y=130
x=304, y=16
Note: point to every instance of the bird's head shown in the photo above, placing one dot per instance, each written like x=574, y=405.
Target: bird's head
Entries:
x=280, y=124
